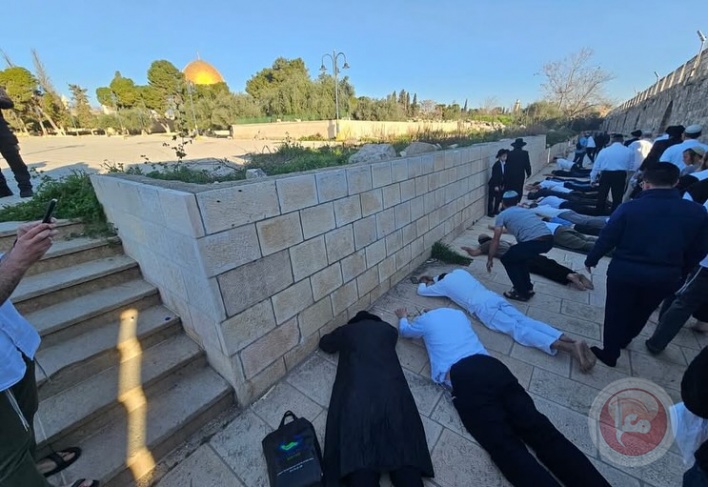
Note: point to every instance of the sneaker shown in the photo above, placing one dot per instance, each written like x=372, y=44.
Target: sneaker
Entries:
x=26, y=193
x=5, y=191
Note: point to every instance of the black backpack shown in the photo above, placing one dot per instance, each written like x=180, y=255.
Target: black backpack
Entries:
x=293, y=454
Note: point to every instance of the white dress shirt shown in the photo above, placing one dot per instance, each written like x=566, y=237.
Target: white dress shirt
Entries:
x=552, y=201
x=674, y=154
x=591, y=142
x=616, y=157
x=564, y=164
x=640, y=148
x=556, y=186
x=701, y=175
x=548, y=211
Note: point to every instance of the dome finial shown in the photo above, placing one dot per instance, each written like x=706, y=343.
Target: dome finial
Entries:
x=198, y=56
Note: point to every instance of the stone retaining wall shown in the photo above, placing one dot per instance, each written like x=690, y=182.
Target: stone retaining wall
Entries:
x=259, y=269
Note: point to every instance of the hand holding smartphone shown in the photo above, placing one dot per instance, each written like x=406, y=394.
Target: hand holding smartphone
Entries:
x=49, y=213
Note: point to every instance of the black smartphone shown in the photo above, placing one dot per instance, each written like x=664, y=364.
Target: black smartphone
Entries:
x=50, y=211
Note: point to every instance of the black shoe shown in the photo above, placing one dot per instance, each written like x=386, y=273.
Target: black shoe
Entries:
x=5, y=191
x=26, y=193
x=652, y=349
x=600, y=354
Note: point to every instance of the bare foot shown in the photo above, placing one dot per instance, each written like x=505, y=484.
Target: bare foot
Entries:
x=586, y=359
x=576, y=281
x=586, y=282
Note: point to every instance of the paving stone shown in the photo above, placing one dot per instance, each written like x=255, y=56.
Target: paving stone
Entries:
x=599, y=377
x=239, y=446
x=566, y=323
x=666, y=471
x=672, y=354
x=583, y=311
x=432, y=432
x=493, y=340
x=320, y=425
x=203, y=468
x=563, y=391
x=572, y=424
x=521, y=370
x=457, y=461
x=425, y=392
x=412, y=357
x=284, y=397
x=446, y=415
x=559, y=293
x=558, y=363
x=314, y=378
x=615, y=476
x=665, y=374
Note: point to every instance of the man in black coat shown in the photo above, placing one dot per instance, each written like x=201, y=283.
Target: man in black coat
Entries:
x=10, y=150
x=496, y=183
x=635, y=137
x=373, y=424
x=675, y=133
x=517, y=163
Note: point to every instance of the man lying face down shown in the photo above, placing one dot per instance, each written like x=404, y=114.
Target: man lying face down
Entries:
x=497, y=314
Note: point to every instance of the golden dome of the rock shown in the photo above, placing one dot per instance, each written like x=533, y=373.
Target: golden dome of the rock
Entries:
x=202, y=73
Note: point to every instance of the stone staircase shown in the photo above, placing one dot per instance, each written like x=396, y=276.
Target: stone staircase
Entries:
x=125, y=382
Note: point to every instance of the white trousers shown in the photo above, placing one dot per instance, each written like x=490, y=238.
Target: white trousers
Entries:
x=498, y=315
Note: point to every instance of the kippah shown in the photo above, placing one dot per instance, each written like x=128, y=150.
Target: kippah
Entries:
x=509, y=195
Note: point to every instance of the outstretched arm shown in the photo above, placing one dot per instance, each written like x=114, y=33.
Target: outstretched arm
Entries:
x=494, y=247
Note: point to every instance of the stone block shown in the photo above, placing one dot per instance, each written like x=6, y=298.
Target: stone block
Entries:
x=387, y=267
x=307, y=258
x=296, y=192
x=417, y=207
x=359, y=179
x=381, y=174
x=362, y=304
x=314, y=378
x=428, y=163
x=238, y=205
x=394, y=242
x=281, y=398
x=375, y=253
x=464, y=460
x=291, y=301
x=281, y=232
x=399, y=170
x=368, y=281
x=344, y=297
x=326, y=281
x=371, y=202
x=353, y=265
x=315, y=317
x=409, y=233
x=365, y=232
x=414, y=167
x=227, y=250
x=331, y=185
x=425, y=392
x=391, y=195
x=408, y=190
x=403, y=257
x=346, y=210
x=203, y=468
x=385, y=222
x=439, y=163
x=302, y=350
x=317, y=220
x=250, y=283
x=243, y=329
x=417, y=247
x=181, y=212
x=402, y=214
x=269, y=348
x=340, y=243
x=421, y=185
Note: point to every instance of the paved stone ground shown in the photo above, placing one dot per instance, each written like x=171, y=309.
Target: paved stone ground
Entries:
x=559, y=389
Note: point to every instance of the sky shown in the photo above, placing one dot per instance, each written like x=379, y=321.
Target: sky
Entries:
x=446, y=50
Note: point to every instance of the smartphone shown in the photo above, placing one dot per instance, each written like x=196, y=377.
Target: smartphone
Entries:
x=50, y=211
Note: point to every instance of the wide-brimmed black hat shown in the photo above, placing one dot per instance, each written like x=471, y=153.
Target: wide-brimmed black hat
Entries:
x=675, y=130
x=518, y=143
x=502, y=152
x=636, y=133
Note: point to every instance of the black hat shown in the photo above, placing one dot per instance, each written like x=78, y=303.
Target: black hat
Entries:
x=675, y=130
x=694, y=385
x=518, y=143
x=636, y=133
x=502, y=152
x=483, y=238
x=617, y=136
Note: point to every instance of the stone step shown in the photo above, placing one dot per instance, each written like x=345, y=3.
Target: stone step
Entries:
x=49, y=288
x=74, y=317
x=68, y=253
x=128, y=449
x=67, y=229
x=97, y=401
x=79, y=357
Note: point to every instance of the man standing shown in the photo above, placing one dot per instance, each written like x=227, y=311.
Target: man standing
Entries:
x=591, y=148
x=657, y=238
x=640, y=149
x=635, y=137
x=674, y=133
x=518, y=167
x=494, y=408
x=496, y=183
x=533, y=238
x=10, y=150
x=611, y=167
x=674, y=154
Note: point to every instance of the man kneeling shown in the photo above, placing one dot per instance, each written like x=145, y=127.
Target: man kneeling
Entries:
x=497, y=314
x=494, y=408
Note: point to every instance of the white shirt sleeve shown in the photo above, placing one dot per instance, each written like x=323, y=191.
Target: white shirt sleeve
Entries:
x=433, y=291
x=597, y=167
x=410, y=330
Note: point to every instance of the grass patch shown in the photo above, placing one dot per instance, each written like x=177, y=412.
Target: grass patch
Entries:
x=292, y=157
x=77, y=200
x=444, y=253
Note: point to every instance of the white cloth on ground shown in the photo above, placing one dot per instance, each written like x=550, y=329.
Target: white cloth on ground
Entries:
x=689, y=430
x=492, y=310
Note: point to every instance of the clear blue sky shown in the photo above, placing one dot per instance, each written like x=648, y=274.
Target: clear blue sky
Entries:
x=442, y=49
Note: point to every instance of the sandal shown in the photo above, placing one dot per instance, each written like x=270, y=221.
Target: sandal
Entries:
x=516, y=296
x=62, y=464
x=95, y=483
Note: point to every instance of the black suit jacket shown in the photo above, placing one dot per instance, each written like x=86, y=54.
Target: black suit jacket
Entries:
x=497, y=178
x=657, y=150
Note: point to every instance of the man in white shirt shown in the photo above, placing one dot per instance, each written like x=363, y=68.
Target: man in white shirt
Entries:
x=674, y=154
x=640, y=149
x=547, y=211
x=611, y=167
x=591, y=148
x=497, y=314
x=494, y=408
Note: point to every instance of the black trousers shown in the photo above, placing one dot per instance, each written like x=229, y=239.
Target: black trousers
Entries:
x=516, y=262
x=502, y=417
x=549, y=268
x=582, y=208
x=628, y=306
x=403, y=477
x=587, y=230
x=574, y=173
x=11, y=152
x=590, y=151
x=494, y=201
x=614, y=181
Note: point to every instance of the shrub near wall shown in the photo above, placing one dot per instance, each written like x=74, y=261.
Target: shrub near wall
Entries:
x=259, y=269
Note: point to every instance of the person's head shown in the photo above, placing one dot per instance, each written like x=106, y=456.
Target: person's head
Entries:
x=483, y=238
x=692, y=132
x=636, y=133
x=675, y=131
x=502, y=154
x=510, y=198
x=661, y=175
x=518, y=143
x=693, y=156
x=617, y=138
x=647, y=134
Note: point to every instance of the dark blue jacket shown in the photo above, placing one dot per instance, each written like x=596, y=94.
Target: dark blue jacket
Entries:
x=658, y=238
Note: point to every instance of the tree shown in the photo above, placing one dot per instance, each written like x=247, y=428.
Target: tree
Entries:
x=414, y=106
x=127, y=94
x=51, y=105
x=464, y=109
x=575, y=85
x=22, y=87
x=165, y=92
x=81, y=108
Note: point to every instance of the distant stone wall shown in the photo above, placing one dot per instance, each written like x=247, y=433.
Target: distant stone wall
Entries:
x=678, y=98
x=259, y=269
x=349, y=129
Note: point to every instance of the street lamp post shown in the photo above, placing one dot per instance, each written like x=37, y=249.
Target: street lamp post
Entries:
x=335, y=69
x=191, y=102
